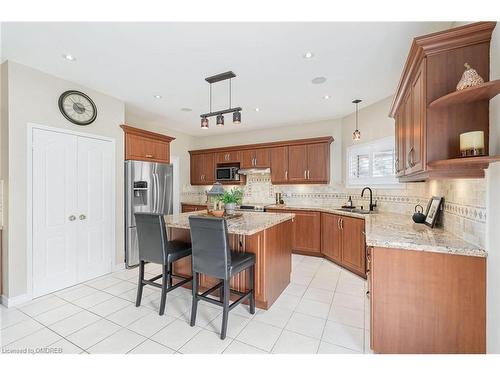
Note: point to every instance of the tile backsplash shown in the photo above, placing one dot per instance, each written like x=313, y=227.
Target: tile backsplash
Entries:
x=464, y=210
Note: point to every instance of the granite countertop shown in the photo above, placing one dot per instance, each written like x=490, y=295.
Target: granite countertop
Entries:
x=384, y=229
x=249, y=223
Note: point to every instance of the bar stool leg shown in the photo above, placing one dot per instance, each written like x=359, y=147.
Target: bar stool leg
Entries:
x=164, y=287
x=194, y=305
x=169, y=284
x=140, y=284
x=252, y=285
x=225, y=309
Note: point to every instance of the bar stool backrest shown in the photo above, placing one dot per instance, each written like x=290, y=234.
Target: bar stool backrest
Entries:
x=152, y=237
x=211, y=254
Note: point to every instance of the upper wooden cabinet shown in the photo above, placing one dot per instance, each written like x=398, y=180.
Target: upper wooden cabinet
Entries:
x=228, y=157
x=145, y=145
x=304, y=161
x=255, y=158
x=426, y=134
x=309, y=163
x=279, y=165
x=202, y=169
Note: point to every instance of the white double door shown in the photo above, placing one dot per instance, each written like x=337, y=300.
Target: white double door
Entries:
x=73, y=236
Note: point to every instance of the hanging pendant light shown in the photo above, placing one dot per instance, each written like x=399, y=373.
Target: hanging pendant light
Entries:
x=237, y=117
x=356, y=135
x=204, y=123
x=220, y=120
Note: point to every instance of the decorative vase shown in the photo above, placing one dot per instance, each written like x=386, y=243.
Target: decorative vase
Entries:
x=230, y=208
x=470, y=78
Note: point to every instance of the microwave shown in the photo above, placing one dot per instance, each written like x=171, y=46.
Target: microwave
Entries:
x=227, y=174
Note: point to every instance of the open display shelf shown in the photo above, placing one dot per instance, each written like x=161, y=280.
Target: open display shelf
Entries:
x=485, y=91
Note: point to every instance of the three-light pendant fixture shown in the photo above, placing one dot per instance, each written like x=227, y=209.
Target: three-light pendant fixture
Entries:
x=220, y=114
x=356, y=135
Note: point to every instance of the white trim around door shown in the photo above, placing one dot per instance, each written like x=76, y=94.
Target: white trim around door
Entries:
x=85, y=137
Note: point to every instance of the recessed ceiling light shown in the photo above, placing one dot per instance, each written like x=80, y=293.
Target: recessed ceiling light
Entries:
x=186, y=109
x=318, y=80
x=69, y=57
x=308, y=55
x=257, y=109
x=157, y=96
x=326, y=97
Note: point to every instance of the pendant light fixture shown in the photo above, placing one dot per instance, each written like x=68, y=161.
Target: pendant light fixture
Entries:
x=220, y=114
x=356, y=135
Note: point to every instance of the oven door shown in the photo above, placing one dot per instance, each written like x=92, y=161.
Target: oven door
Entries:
x=223, y=174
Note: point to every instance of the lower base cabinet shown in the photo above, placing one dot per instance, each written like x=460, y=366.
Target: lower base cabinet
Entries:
x=343, y=241
x=424, y=302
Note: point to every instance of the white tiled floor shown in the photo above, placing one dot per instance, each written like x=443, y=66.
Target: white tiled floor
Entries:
x=323, y=310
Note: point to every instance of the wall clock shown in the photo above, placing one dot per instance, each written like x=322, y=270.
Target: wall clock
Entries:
x=77, y=107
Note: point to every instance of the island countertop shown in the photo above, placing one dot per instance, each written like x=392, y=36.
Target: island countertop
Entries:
x=248, y=224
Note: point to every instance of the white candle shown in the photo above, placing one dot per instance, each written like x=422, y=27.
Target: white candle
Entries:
x=472, y=143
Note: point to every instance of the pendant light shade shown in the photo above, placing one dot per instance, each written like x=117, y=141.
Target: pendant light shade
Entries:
x=204, y=123
x=237, y=117
x=356, y=135
x=220, y=120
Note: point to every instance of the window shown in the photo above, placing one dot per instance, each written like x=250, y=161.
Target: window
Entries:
x=372, y=163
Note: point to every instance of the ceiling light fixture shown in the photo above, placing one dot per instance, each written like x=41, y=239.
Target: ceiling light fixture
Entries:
x=157, y=96
x=326, y=97
x=308, y=55
x=318, y=80
x=69, y=57
x=220, y=118
x=257, y=109
x=356, y=135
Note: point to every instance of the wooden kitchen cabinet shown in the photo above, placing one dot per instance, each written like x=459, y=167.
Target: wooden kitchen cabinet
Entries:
x=145, y=145
x=279, y=165
x=309, y=163
x=299, y=161
x=424, y=302
x=227, y=157
x=427, y=134
x=353, y=245
x=343, y=241
x=186, y=207
x=255, y=158
x=202, y=169
x=306, y=238
x=331, y=237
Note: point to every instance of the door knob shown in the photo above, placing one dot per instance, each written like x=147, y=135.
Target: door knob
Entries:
x=83, y=217
x=72, y=218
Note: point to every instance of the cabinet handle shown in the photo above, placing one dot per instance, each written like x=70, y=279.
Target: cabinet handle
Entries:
x=286, y=175
x=338, y=223
x=149, y=156
x=342, y=224
x=410, y=157
x=308, y=174
x=305, y=175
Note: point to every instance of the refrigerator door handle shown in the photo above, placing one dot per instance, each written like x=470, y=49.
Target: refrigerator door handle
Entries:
x=155, y=193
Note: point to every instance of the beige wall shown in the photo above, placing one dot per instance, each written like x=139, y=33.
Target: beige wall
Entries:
x=493, y=208
x=179, y=147
x=33, y=98
x=3, y=167
x=373, y=123
x=310, y=130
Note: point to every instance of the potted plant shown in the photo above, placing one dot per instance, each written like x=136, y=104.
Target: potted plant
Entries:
x=230, y=199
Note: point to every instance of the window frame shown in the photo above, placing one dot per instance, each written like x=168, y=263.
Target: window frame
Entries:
x=370, y=148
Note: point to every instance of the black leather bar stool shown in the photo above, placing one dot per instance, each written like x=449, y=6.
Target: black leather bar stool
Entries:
x=154, y=247
x=212, y=256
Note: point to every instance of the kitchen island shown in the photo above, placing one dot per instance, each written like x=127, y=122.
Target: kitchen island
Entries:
x=267, y=235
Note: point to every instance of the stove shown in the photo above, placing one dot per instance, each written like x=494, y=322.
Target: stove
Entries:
x=251, y=208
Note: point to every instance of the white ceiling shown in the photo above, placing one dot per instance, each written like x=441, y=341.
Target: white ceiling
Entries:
x=135, y=61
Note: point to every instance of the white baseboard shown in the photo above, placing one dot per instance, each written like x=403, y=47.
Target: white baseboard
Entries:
x=16, y=301
x=118, y=267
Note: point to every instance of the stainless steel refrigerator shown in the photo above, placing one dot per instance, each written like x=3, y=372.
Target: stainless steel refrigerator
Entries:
x=148, y=188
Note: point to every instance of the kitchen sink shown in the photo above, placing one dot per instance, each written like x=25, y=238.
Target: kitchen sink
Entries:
x=355, y=210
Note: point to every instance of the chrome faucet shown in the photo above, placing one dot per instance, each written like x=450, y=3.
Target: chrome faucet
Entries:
x=372, y=205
